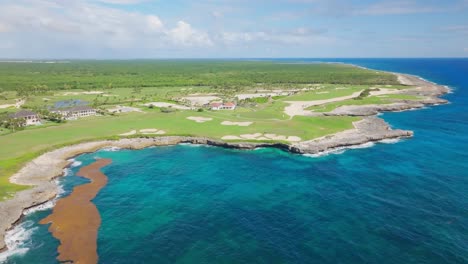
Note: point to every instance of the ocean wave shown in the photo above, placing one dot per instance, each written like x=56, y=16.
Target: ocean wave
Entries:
x=75, y=163
x=340, y=150
x=111, y=149
x=41, y=207
x=66, y=172
x=16, y=240
x=390, y=141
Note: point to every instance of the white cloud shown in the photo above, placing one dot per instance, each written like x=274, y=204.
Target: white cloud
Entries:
x=154, y=23
x=80, y=25
x=184, y=34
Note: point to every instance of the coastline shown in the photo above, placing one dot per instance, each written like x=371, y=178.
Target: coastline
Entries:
x=42, y=170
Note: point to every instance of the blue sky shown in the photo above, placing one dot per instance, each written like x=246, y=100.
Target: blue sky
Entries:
x=232, y=28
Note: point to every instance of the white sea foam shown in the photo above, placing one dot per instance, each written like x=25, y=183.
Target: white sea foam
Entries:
x=111, y=149
x=340, y=150
x=16, y=240
x=75, y=163
x=390, y=141
x=42, y=207
x=450, y=90
x=66, y=172
x=195, y=145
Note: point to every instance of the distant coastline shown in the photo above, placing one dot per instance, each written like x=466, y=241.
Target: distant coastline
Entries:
x=42, y=170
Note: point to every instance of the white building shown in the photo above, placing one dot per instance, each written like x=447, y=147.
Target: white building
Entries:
x=76, y=112
x=30, y=117
x=223, y=106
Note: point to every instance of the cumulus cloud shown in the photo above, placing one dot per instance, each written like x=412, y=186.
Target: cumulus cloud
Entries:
x=77, y=25
x=184, y=34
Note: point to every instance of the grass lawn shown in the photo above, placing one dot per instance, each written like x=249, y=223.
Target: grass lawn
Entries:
x=326, y=92
x=386, y=99
x=137, y=81
x=20, y=147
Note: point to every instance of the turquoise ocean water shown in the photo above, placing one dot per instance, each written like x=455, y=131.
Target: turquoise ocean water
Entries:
x=405, y=202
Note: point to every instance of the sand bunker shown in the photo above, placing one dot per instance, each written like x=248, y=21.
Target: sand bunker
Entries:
x=75, y=220
x=260, y=136
x=146, y=131
x=201, y=100
x=169, y=105
x=199, y=119
x=124, y=109
x=133, y=132
x=152, y=131
x=229, y=123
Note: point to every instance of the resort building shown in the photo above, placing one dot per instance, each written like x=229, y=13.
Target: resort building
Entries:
x=223, y=106
x=30, y=117
x=76, y=112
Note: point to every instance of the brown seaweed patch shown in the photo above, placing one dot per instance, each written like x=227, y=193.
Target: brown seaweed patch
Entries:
x=75, y=220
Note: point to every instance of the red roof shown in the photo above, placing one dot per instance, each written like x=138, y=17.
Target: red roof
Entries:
x=229, y=104
x=216, y=104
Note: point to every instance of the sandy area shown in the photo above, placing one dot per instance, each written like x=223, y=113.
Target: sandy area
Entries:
x=75, y=220
x=298, y=107
x=146, y=131
x=169, y=105
x=201, y=100
x=124, y=109
x=229, y=123
x=260, y=136
x=18, y=104
x=133, y=132
x=199, y=119
x=152, y=131
x=383, y=91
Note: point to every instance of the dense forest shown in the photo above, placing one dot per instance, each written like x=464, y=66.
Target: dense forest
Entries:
x=37, y=77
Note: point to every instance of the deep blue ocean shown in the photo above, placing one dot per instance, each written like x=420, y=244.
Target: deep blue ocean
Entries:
x=405, y=202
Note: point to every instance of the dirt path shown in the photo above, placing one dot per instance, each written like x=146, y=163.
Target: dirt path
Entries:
x=75, y=220
x=18, y=104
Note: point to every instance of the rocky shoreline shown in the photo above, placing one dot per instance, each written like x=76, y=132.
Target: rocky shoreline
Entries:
x=42, y=170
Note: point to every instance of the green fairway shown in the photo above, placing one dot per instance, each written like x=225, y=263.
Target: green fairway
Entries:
x=20, y=147
x=326, y=93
